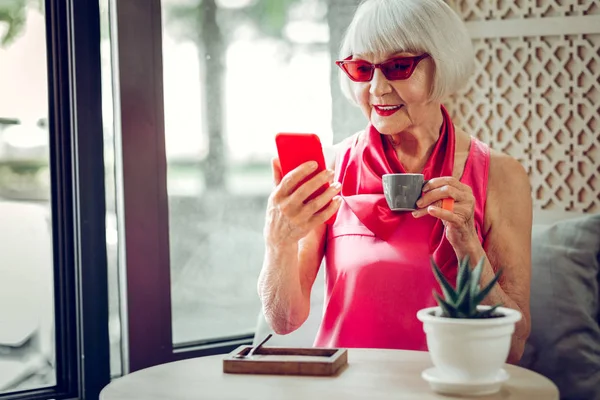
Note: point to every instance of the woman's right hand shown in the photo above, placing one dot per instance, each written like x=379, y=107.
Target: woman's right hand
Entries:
x=289, y=219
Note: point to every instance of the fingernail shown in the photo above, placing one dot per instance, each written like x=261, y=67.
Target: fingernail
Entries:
x=313, y=165
x=337, y=185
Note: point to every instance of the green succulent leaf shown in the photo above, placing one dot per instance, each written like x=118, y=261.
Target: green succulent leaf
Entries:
x=448, y=310
x=463, y=303
x=447, y=288
x=488, y=312
x=464, y=273
x=462, y=300
x=488, y=288
x=476, y=277
x=475, y=283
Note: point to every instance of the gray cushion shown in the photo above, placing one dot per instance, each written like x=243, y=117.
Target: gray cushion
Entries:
x=564, y=344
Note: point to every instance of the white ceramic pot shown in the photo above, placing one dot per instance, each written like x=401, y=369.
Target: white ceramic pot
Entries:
x=468, y=350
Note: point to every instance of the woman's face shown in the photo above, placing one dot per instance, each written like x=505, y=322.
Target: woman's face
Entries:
x=395, y=106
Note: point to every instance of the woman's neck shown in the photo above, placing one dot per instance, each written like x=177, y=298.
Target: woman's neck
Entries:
x=415, y=145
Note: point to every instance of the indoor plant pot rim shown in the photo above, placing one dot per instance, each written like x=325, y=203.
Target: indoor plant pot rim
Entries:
x=508, y=316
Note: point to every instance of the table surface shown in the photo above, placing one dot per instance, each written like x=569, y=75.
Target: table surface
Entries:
x=370, y=374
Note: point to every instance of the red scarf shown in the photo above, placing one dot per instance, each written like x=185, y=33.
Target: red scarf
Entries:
x=362, y=187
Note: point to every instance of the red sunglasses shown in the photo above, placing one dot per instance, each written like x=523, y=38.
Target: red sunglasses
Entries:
x=394, y=69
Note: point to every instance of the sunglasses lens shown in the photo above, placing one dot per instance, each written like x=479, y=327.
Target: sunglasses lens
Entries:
x=359, y=71
x=397, y=69
x=394, y=70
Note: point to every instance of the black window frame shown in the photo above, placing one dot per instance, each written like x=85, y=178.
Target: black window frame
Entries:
x=77, y=203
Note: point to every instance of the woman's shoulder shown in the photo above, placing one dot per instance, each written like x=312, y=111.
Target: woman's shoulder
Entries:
x=508, y=184
x=505, y=169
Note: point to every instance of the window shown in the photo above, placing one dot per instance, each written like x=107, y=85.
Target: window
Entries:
x=165, y=186
x=114, y=265
x=27, y=358
x=53, y=302
x=200, y=103
x=235, y=74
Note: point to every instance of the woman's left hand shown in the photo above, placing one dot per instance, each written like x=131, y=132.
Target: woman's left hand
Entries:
x=460, y=226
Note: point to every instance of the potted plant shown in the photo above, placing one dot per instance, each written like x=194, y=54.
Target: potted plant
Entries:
x=468, y=342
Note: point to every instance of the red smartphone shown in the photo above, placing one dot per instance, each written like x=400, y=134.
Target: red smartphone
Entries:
x=295, y=149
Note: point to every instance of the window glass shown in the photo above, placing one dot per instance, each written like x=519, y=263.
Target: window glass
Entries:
x=236, y=72
x=27, y=357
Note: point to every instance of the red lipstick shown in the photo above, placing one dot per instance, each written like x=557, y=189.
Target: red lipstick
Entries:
x=386, y=110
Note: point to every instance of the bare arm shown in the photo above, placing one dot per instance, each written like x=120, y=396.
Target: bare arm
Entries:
x=508, y=243
x=295, y=245
x=286, y=281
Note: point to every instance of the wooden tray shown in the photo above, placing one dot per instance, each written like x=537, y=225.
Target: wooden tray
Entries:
x=313, y=361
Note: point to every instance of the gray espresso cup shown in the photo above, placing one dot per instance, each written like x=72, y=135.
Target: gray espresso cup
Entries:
x=402, y=190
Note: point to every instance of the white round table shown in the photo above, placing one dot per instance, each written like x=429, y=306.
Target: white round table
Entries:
x=370, y=374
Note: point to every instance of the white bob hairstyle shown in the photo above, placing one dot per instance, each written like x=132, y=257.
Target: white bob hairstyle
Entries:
x=389, y=26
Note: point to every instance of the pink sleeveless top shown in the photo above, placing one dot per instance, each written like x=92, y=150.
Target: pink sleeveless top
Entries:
x=378, y=278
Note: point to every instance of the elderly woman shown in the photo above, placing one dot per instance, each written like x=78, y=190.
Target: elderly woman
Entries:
x=399, y=60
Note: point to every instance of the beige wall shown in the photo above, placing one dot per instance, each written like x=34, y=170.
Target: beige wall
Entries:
x=535, y=94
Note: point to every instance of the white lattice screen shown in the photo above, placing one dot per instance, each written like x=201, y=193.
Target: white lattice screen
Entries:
x=536, y=93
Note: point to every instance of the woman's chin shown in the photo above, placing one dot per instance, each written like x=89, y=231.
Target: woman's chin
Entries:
x=391, y=124
x=388, y=127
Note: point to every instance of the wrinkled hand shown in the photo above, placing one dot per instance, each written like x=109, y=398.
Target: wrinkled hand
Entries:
x=459, y=223
x=289, y=218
